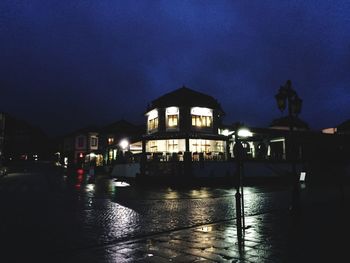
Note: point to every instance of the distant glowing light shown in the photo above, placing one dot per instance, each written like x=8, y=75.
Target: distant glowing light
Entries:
x=121, y=184
x=329, y=130
x=124, y=144
x=110, y=140
x=226, y=132
x=302, y=176
x=244, y=133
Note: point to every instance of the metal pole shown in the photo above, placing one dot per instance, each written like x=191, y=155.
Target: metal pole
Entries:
x=242, y=193
x=295, y=191
x=238, y=197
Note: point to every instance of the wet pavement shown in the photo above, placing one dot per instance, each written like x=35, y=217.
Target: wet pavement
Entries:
x=73, y=218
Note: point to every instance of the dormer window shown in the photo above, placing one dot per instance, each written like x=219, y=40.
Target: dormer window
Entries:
x=93, y=141
x=172, y=118
x=152, y=121
x=110, y=140
x=202, y=117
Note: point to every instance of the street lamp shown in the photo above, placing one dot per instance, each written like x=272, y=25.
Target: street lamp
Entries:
x=240, y=132
x=287, y=96
x=124, y=144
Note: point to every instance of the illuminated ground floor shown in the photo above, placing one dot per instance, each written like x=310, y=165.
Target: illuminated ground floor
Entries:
x=175, y=149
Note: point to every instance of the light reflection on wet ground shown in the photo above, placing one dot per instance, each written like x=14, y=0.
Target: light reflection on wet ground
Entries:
x=82, y=212
x=126, y=212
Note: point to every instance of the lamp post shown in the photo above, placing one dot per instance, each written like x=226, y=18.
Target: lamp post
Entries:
x=124, y=145
x=287, y=96
x=238, y=149
x=238, y=152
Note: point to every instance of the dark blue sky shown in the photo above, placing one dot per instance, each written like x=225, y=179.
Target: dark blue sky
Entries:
x=67, y=64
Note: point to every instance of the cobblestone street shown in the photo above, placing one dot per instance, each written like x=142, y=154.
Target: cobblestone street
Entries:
x=72, y=219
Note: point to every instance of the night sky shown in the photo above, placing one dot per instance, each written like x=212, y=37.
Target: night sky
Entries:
x=68, y=64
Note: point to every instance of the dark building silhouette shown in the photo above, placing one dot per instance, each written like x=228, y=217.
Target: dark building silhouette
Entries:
x=285, y=123
x=19, y=140
x=344, y=127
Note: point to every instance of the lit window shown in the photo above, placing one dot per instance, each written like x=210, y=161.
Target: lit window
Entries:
x=110, y=140
x=173, y=145
x=201, y=121
x=93, y=141
x=172, y=120
x=199, y=145
x=201, y=117
x=172, y=117
x=152, y=120
x=153, y=124
x=152, y=146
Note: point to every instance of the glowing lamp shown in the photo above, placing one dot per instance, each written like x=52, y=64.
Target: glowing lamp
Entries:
x=124, y=144
x=244, y=132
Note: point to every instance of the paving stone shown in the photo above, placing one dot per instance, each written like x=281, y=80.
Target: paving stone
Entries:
x=206, y=255
x=155, y=259
x=80, y=223
x=187, y=258
x=162, y=238
x=165, y=252
x=227, y=253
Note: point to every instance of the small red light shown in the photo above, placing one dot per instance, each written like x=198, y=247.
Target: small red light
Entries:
x=81, y=155
x=80, y=178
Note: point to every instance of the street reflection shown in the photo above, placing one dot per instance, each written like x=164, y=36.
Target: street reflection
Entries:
x=200, y=193
x=120, y=184
x=117, y=210
x=171, y=194
x=79, y=178
x=90, y=188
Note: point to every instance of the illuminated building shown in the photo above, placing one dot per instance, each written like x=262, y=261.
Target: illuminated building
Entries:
x=81, y=147
x=184, y=124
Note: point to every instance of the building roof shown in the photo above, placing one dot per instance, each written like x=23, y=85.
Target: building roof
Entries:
x=84, y=130
x=286, y=121
x=185, y=97
x=123, y=128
